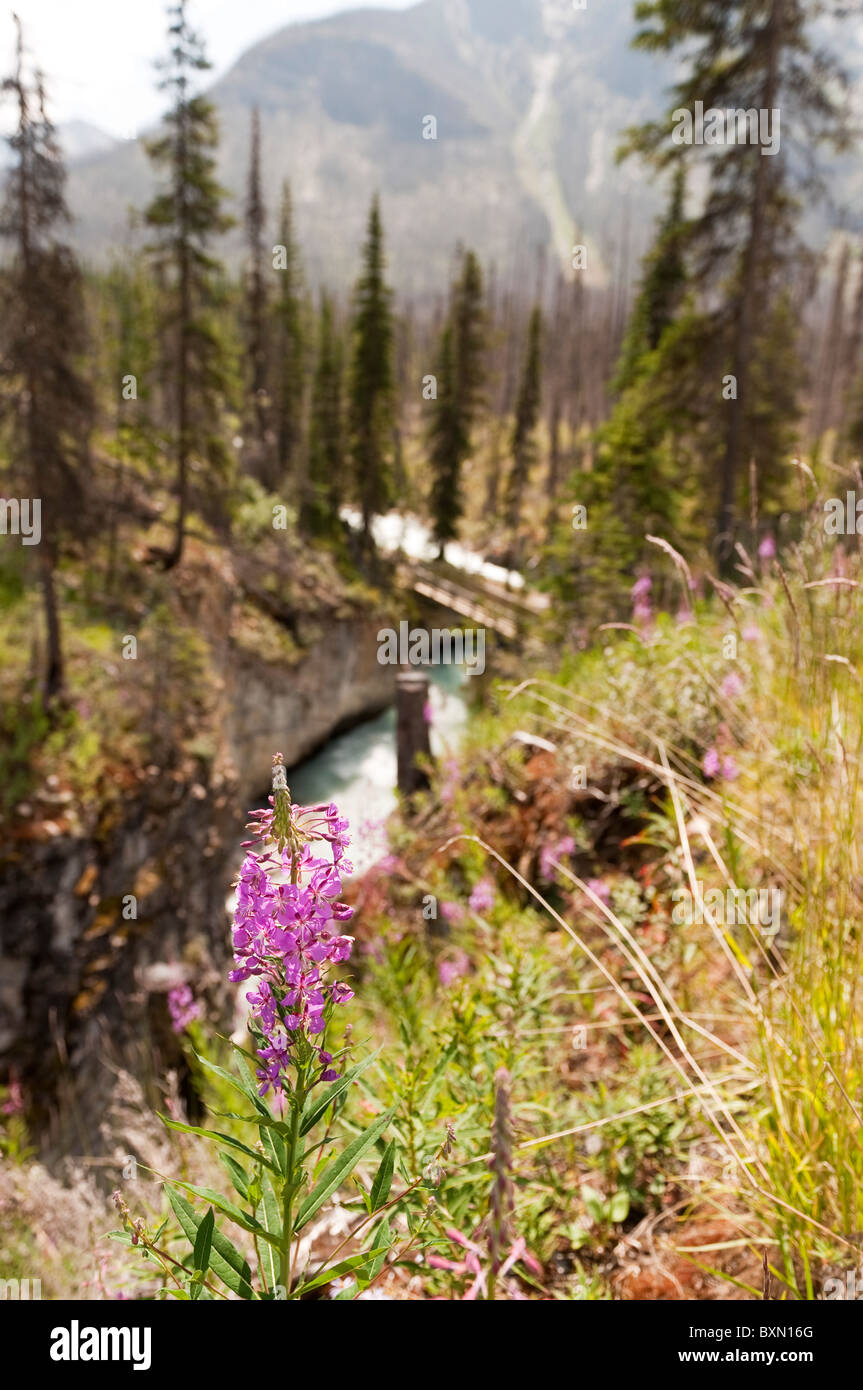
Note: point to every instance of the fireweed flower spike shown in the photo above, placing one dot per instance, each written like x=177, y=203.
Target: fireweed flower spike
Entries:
x=288, y=932
x=288, y=936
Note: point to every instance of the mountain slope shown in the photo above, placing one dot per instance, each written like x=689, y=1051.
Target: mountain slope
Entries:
x=529, y=98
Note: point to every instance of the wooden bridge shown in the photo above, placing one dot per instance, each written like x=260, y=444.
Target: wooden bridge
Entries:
x=472, y=596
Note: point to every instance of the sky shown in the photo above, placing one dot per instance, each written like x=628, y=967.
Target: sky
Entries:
x=97, y=55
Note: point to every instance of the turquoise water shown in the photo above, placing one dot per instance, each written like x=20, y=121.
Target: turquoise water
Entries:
x=357, y=769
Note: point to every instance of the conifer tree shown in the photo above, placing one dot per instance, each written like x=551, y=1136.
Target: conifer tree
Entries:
x=326, y=428
x=662, y=285
x=45, y=393
x=290, y=367
x=648, y=450
x=256, y=295
x=460, y=376
x=185, y=217
x=526, y=417
x=742, y=55
x=371, y=381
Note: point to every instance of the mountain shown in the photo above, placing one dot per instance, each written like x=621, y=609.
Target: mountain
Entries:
x=78, y=140
x=81, y=140
x=529, y=97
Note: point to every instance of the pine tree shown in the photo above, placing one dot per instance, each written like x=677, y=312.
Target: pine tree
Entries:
x=371, y=381
x=128, y=333
x=185, y=218
x=662, y=285
x=447, y=446
x=460, y=376
x=526, y=417
x=256, y=297
x=42, y=338
x=326, y=428
x=290, y=368
x=740, y=55
x=649, y=449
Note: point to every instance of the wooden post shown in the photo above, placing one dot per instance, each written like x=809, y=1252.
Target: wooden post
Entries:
x=412, y=730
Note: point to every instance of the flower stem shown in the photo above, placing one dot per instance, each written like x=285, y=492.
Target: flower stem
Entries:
x=291, y=1181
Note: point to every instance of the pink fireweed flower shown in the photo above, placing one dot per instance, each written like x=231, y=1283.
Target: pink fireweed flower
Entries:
x=550, y=853
x=288, y=931
x=642, y=587
x=14, y=1102
x=600, y=888
x=711, y=764
x=182, y=1007
x=482, y=897
x=455, y=968
x=642, y=612
x=732, y=685
x=452, y=912
x=767, y=548
x=730, y=769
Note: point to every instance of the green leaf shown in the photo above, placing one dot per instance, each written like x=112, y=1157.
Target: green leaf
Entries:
x=201, y=1254
x=317, y=1107
x=240, y=1218
x=241, y=1084
x=272, y=1219
x=335, y=1173
x=618, y=1207
x=217, y=1138
x=383, y=1240
x=226, y=1261
x=276, y=1148
x=594, y=1203
x=122, y=1236
x=349, y=1266
x=238, y=1175
x=436, y=1075
x=384, y=1177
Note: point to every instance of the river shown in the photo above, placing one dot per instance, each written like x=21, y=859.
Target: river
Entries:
x=357, y=769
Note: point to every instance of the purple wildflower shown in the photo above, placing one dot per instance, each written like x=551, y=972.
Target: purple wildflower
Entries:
x=767, y=548
x=600, y=888
x=183, y=1009
x=452, y=969
x=14, y=1102
x=452, y=912
x=550, y=853
x=732, y=685
x=711, y=764
x=642, y=587
x=729, y=769
x=482, y=897
x=288, y=932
